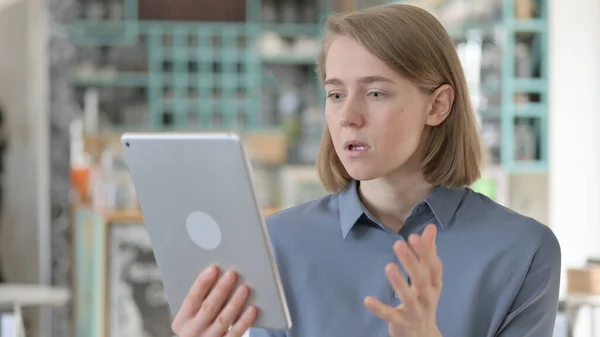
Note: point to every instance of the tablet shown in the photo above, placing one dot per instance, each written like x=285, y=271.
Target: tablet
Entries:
x=199, y=208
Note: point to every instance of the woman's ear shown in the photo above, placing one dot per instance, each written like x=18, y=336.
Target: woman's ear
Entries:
x=441, y=105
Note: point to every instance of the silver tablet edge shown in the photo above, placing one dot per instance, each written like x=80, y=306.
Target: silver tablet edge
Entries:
x=267, y=238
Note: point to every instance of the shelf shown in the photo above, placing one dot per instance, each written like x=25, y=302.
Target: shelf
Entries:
x=538, y=166
x=113, y=27
x=530, y=85
x=534, y=88
x=532, y=110
x=114, y=33
x=112, y=80
x=104, y=32
x=290, y=59
x=135, y=215
x=530, y=26
x=232, y=48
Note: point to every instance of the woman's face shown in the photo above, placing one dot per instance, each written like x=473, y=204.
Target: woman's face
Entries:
x=378, y=120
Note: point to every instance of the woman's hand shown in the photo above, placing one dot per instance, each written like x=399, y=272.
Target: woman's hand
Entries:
x=416, y=315
x=206, y=312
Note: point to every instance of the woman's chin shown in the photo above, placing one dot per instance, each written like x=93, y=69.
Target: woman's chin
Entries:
x=363, y=173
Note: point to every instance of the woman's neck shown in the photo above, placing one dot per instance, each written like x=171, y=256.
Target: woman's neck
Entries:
x=391, y=199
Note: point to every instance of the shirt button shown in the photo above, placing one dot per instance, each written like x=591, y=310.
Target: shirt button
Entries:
x=421, y=209
x=396, y=295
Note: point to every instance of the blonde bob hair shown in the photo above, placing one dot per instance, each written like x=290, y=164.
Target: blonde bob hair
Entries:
x=415, y=44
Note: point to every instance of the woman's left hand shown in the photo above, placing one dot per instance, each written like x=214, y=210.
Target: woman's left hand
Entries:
x=416, y=315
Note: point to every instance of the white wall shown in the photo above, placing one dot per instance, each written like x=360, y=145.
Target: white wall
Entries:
x=24, y=239
x=574, y=204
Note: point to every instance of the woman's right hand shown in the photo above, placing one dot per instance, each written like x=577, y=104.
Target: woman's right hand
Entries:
x=206, y=312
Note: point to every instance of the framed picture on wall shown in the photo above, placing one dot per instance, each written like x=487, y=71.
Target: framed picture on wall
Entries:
x=137, y=305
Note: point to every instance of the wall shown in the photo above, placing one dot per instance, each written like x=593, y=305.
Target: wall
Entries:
x=24, y=246
x=573, y=131
x=529, y=195
x=19, y=230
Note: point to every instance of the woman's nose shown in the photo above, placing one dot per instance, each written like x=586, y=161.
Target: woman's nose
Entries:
x=351, y=115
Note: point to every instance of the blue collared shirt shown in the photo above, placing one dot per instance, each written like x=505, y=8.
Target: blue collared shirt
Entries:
x=500, y=279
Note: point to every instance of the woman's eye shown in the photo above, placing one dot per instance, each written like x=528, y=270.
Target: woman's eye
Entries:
x=376, y=94
x=334, y=96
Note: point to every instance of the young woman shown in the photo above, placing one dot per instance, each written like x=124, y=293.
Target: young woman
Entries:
x=402, y=247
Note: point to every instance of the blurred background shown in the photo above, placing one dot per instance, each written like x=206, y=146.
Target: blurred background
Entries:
x=75, y=259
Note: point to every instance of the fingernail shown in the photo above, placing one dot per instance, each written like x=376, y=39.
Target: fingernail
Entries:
x=392, y=272
x=252, y=310
x=398, y=247
x=370, y=303
x=244, y=290
x=229, y=275
x=211, y=270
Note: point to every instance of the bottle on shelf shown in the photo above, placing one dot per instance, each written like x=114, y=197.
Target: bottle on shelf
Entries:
x=80, y=164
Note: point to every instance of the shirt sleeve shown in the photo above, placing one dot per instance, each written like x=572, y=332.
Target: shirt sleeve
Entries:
x=255, y=332
x=533, y=312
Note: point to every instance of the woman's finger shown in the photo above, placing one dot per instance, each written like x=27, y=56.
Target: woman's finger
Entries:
x=214, y=302
x=427, y=251
x=411, y=264
x=198, y=291
x=424, y=255
x=244, y=323
x=230, y=312
x=385, y=312
x=427, y=248
x=419, y=248
x=407, y=296
x=429, y=234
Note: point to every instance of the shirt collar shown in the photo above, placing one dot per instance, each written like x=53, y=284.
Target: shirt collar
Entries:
x=442, y=201
x=350, y=206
